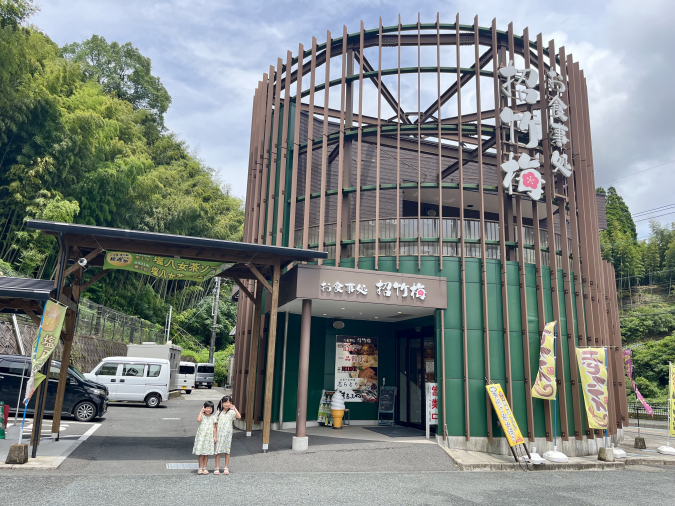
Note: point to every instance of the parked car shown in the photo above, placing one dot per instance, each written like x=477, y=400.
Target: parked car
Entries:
x=186, y=376
x=83, y=398
x=204, y=375
x=134, y=379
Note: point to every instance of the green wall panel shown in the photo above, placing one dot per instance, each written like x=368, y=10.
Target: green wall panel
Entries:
x=455, y=407
x=497, y=359
x=476, y=353
x=478, y=407
x=517, y=364
x=474, y=304
x=454, y=355
x=472, y=270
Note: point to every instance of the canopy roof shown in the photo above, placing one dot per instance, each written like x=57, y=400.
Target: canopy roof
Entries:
x=89, y=239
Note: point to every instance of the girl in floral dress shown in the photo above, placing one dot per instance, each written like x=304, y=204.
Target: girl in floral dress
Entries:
x=206, y=436
x=227, y=412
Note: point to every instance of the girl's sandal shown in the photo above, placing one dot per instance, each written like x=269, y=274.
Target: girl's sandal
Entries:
x=226, y=471
x=206, y=471
x=200, y=471
x=216, y=471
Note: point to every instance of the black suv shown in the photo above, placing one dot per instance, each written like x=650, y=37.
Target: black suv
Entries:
x=83, y=399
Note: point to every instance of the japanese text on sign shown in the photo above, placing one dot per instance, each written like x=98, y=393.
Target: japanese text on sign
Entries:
x=383, y=289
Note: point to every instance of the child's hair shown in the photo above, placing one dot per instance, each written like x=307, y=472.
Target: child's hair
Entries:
x=227, y=398
x=209, y=404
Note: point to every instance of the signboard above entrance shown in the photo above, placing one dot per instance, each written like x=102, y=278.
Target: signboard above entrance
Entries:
x=362, y=286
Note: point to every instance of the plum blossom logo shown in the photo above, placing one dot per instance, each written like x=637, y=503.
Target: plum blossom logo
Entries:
x=530, y=181
x=421, y=293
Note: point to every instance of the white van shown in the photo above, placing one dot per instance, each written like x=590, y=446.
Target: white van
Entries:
x=205, y=375
x=134, y=379
x=186, y=376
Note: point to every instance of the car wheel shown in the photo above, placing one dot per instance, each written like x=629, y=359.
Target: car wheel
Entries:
x=188, y=391
x=85, y=411
x=210, y=387
x=152, y=400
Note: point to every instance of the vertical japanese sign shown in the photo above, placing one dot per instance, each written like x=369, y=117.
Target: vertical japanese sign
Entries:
x=671, y=399
x=524, y=127
x=627, y=358
x=545, y=384
x=163, y=267
x=593, y=374
x=432, y=405
x=356, y=368
x=506, y=418
x=44, y=343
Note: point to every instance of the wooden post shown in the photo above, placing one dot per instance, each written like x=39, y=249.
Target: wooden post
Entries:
x=303, y=369
x=269, y=375
x=68, y=336
x=253, y=360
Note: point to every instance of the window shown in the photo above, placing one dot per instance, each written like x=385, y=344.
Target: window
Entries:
x=54, y=371
x=17, y=368
x=208, y=369
x=133, y=370
x=154, y=370
x=186, y=369
x=108, y=369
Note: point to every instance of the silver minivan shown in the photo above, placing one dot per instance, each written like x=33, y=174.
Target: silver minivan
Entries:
x=204, y=376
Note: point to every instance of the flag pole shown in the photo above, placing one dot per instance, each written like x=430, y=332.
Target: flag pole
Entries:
x=555, y=399
x=25, y=403
x=669, y=450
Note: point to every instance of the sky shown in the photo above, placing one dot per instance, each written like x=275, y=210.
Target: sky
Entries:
x=210, y=55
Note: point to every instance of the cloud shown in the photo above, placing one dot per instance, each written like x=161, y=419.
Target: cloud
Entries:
x=211, y=55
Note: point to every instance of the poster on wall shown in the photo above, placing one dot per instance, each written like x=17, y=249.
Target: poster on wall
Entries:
x=356, y=368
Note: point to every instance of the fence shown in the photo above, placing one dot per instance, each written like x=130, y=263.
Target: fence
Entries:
x=660, y=411
x=104, y=323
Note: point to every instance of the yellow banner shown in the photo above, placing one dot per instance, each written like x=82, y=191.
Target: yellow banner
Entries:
x=504, y=414
x=593, y=374
x=545, y=384
x=671, y=398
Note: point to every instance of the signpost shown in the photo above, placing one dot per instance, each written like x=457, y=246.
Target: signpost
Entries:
x=387, y=402
x=432, y=406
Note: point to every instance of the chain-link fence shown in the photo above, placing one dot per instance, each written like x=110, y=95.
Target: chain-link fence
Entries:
x=105, y=323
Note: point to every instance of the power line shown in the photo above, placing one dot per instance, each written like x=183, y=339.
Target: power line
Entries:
x=654, y=217
x=652, y=210
x=638, y=172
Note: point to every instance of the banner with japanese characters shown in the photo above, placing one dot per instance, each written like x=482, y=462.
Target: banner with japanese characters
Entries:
x=163, y=267
x=627, y=354
x=432, y=403
x=44, y=342
x=356, y=368
x=506, y=418
x=593, y=372
x=545, y=384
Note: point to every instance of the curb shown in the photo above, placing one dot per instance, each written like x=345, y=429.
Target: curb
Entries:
x=57, y=461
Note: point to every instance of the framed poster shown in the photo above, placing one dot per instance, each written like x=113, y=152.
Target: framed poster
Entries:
x=356, y=368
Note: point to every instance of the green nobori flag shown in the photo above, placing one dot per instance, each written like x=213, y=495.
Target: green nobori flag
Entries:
x=44, y=343
x=163, y=267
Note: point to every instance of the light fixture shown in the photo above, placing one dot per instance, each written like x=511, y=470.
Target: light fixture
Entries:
x=376, y=317
x=399, y=312
x=341, y=308
x=338, y=324
x=324, y=314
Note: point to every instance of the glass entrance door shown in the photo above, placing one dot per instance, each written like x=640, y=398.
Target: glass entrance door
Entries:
x=415, y=367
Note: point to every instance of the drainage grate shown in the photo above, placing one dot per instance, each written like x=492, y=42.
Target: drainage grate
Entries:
x=184, y=465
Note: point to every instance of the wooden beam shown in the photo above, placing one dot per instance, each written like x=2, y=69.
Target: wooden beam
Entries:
x=260, y=277
x=67, y=302
x=253, y=358
x=94, y=279
x=271, y=348
x=243, y=288
x=76, y=265
x=26, y=309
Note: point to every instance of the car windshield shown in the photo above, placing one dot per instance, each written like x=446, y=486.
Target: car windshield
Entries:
x=77, y=373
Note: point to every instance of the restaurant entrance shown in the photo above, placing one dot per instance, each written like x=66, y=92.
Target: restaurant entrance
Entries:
x=414, y=367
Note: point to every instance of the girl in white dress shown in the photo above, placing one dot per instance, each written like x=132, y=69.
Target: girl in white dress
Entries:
x=206, y=436
x=227, y=412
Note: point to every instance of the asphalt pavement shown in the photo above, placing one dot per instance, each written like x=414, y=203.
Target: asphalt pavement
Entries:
x=125, y=461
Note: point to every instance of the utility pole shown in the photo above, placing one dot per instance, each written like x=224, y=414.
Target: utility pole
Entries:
x=214, y=312
x=168, y=325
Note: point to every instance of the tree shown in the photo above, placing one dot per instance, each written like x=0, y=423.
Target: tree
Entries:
x=123, y=71
x=619, y=214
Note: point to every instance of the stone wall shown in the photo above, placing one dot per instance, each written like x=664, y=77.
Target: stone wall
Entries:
x=86, y=353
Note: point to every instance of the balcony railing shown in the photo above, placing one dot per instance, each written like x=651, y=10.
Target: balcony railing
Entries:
x=427, y=230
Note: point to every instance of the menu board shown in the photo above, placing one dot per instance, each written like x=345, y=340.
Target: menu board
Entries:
x=356, y=368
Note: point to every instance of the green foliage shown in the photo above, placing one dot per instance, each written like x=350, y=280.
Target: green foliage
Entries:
x=650, y=363
x=82, y=140
x=220, y=359
x=122, y=71
x=650, y=326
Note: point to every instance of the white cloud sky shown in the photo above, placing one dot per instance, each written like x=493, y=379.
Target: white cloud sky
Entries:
x=211, y=54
